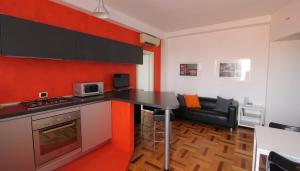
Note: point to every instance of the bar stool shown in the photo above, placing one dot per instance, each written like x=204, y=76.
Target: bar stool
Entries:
x=159, y=116
x=146, y=111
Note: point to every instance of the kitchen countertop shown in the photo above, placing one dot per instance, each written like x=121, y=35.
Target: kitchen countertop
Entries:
x=162, y=100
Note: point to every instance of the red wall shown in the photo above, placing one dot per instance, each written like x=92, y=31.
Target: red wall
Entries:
x=22, y=79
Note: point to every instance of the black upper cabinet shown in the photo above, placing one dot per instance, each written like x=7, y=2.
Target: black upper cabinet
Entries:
x=93, y=48
x=106, y=50
x=126, y=53
x=26, y=38
x=30, y=39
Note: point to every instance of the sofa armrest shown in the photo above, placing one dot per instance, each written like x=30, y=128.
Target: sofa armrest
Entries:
x=235, y=104
x=232, y=114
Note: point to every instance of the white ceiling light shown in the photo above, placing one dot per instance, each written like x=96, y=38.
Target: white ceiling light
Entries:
x=101, y=11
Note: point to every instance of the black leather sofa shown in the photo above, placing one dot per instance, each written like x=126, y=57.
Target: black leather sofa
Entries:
x=208, y=114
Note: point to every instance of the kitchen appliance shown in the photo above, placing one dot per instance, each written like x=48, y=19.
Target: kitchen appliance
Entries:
x=149, y=39
x=56, y=135
x=121, y=81
x=41, y=103
x=88, y=89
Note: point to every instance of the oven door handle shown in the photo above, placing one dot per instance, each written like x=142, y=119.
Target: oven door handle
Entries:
x=58, y=128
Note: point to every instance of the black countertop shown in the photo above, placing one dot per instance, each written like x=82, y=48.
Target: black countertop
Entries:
x=163, y=100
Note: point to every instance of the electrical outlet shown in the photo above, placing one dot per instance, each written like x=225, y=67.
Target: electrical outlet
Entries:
x=43, y=94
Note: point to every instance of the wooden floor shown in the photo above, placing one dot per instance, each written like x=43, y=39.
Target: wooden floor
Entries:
x=195, y=147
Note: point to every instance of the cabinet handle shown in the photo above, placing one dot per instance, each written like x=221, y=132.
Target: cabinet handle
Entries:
x=58, y=128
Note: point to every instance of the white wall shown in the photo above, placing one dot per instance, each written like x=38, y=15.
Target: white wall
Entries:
x=283, y=93
x=274, y=78
x=205, y=49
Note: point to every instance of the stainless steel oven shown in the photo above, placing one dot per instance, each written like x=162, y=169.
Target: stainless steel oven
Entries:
x=56, y=135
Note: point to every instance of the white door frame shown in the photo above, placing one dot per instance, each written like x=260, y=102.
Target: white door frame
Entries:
x=151, y=72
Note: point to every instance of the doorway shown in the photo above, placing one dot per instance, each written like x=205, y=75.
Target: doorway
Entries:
x=145, y=72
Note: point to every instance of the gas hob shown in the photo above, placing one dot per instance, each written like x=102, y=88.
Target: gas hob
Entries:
x=40, y=103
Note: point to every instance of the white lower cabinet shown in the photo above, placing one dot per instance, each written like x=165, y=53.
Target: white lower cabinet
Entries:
x=95, y=124
x=16, y=145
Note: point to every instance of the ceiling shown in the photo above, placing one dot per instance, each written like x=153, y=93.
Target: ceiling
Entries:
x=174, y=15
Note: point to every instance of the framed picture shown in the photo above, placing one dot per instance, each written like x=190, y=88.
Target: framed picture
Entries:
x=234, y=69
x=188, y=69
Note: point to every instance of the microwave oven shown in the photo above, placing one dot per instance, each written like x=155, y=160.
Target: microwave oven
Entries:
x=88, y=89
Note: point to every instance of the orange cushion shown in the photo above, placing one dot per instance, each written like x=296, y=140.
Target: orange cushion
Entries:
x=192, y=101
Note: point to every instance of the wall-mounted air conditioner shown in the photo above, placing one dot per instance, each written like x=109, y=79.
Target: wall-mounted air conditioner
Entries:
x=149, y=39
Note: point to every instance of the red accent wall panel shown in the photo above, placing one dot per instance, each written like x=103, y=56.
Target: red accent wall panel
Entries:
x=123, y=126
x=22, y=79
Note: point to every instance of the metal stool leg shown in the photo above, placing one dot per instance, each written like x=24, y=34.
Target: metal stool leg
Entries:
x=171, y=135
x=161, y=132
x=142, y=123
x=142, y=120
x=154, y=135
